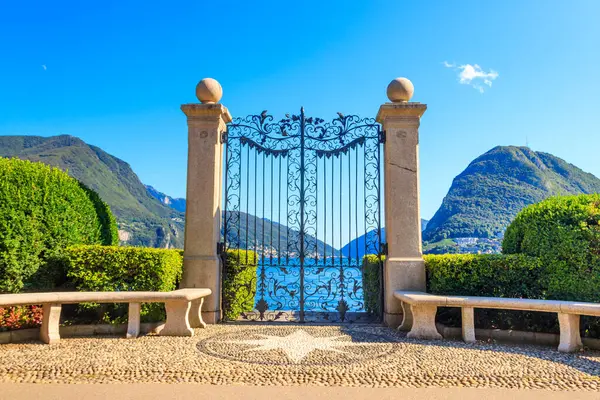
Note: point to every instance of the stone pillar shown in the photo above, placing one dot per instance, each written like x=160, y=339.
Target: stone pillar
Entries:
x=404, y=267
x=201, y=264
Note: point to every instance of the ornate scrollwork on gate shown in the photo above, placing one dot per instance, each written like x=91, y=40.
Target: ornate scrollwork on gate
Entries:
x=305, y=195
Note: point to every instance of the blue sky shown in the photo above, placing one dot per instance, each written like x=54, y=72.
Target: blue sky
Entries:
x=115, y=73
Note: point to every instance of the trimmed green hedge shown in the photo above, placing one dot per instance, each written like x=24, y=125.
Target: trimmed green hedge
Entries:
x=565, y=233
x=514, y=275
x=111, y=268
x=42, y=211
x=371, y=282
x=239, y=283
x=517, y=276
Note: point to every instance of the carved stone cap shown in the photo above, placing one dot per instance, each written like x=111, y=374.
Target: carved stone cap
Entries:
x=206, y=112
x=401, y=110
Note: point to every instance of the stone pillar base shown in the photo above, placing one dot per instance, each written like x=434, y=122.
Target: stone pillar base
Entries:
x=204, y=272
x=400, y=274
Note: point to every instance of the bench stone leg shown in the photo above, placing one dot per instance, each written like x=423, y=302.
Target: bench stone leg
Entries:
x=423, y=326
x=468, y=324
x=407, y=318
x=195, y=316
x=570, y=339
x=49, y=332
x=178, y=323
x=133, y=322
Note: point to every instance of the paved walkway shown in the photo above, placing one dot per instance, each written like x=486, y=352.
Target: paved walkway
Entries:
x=194, y=392
x=293, y=355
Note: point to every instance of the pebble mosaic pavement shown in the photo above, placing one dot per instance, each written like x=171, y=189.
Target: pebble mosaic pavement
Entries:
x=277, y=355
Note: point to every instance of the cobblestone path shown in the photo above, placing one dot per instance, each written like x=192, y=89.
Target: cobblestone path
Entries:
x=355, y=355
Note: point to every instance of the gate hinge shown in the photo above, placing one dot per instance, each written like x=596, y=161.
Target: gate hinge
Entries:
x=224, y=137
x=384, y=249
x=382, y=136
x=220, y=248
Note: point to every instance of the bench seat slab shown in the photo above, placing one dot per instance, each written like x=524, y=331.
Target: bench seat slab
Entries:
x=570, y=338
x=178, y=323
x=423, y=324
x=49, y=331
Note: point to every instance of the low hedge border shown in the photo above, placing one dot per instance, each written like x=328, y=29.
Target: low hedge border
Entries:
x=113, y=268
x=239, y=283
x=514, y=275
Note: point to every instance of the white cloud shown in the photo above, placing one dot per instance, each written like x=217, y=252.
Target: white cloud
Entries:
x=44, y=66
x=473, y=75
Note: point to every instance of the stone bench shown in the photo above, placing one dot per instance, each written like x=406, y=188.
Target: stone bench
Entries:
x=178, y=304
x=419, y=318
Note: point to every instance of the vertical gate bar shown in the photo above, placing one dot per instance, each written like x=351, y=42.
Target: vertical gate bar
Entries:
x=316, y=211
x=287, y=213
x=332, y=215
x=226, y=207
x=279, y=217
x=340, y=220
x=239, y=209
x=356, y=201
x=264, y=156
x=341, y=234
x=324, y=212
x=255, y=209
x=271, y=233
x=380, y=149
x=247, y=200
x=365, y=196
x=349, y=208
x=302, y=214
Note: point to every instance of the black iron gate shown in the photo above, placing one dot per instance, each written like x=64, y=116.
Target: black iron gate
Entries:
x=305, y=195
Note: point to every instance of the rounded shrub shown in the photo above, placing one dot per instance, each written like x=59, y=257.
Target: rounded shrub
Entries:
x=565, y=233
x=42, y=211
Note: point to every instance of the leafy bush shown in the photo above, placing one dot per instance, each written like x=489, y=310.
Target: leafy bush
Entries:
x=111, y=268
x=239, y=283
x=371, y=281
x=20, y=317
x=44, y=210
x=565, y=233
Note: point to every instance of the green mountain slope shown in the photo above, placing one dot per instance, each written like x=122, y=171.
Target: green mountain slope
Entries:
x=142, y=219
x=487, y=195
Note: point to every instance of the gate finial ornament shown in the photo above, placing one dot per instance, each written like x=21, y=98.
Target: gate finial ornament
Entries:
x=400, y=90
x=209, y=91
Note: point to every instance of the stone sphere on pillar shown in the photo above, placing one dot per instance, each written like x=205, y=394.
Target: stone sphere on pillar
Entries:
x=400, y=90
x=209, y=91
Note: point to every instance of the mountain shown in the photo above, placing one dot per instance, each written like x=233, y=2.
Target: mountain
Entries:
x=357, y=246
x=174, y=203
x=489, y=193
x=270, y=236
x=142, y=219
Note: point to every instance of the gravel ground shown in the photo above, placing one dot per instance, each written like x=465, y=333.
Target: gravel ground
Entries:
x=276, y=355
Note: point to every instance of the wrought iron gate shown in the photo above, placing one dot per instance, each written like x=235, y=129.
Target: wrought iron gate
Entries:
x=304, y=194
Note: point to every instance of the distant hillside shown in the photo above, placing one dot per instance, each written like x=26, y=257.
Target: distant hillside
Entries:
x=357, y=246
x=142, y=219
x=271, y=237
x=174, y=203
x=488, y=194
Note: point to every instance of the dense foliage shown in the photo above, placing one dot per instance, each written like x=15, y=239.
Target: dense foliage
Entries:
x=514, y=275
x=146, y=219
x=111, y=268
x=487, y=195
x=372, y=269
x=239, y=283
x=20, y=317
x=565, y=233
x=42, y=211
